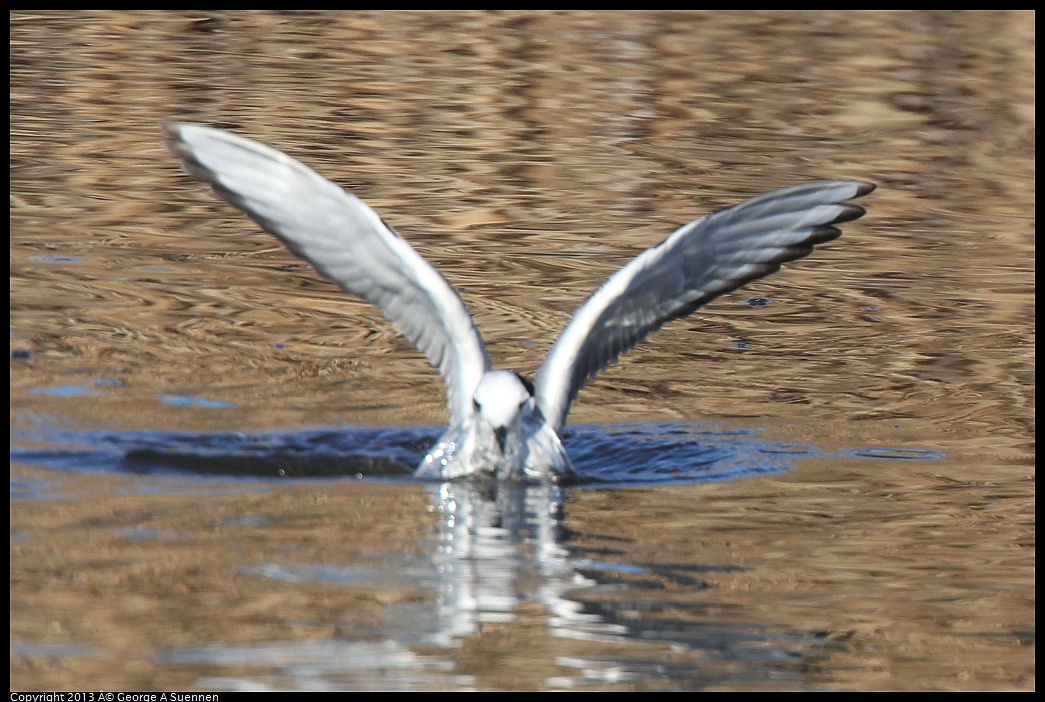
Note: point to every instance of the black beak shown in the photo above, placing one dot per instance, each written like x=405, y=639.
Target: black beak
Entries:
x=501, y=433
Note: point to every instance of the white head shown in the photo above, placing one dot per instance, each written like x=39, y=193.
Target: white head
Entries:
x=505, y=436
x=500, y=398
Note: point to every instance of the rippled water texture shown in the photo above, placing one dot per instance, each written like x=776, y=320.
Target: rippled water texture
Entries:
x=830, y=487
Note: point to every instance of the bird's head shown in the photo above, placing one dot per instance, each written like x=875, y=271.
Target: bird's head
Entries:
x=500, y=399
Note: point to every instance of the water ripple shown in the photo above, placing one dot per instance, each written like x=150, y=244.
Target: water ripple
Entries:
x=604, y=455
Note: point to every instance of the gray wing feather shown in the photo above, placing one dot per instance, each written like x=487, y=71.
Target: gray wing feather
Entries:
x=345, y=241
x=700, y=261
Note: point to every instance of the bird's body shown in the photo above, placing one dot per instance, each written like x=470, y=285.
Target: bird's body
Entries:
x=500, y=423
x=507, y=435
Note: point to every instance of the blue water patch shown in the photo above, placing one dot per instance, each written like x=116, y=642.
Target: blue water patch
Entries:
x=185, y=401
x=56, y=651
x=604, y=456
x=65, y=391
x=58, y=259
x=78, y=390
x=29, y=489
x=142, y=533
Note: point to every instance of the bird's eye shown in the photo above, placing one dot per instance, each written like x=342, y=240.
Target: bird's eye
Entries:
x=475, y=404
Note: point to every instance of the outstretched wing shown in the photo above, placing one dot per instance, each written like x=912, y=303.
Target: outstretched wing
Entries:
x=696, y=264
x=345, y=241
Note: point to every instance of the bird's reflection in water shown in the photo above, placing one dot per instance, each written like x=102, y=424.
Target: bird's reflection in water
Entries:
x=500, y=543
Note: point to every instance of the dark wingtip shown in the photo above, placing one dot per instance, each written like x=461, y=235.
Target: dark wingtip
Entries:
x=849, y=213
x=864, y=188
x=819, y=235
x=172, y=130
x=174, y=142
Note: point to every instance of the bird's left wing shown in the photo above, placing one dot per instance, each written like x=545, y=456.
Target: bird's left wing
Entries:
x=696, y=264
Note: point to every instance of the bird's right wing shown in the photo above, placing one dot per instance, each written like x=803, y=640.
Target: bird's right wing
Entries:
x=696, y=264
x=345, y=241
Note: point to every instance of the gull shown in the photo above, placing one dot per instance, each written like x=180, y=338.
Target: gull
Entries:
x=501, y=424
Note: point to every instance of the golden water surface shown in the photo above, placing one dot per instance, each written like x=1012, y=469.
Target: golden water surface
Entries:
x=528, y=156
